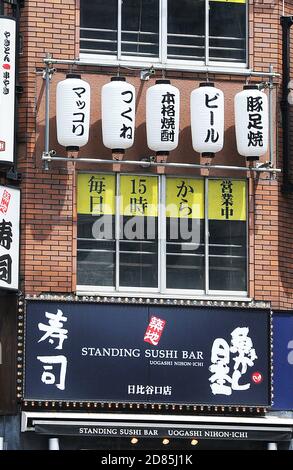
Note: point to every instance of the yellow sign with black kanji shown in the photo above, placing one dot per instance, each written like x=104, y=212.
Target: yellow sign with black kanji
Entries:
x=185, y=198
x=139, y=195
x=227, y=199
x=95, y=194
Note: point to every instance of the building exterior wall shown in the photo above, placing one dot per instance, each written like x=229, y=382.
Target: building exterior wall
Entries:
x=49, y=202
x=49, y=216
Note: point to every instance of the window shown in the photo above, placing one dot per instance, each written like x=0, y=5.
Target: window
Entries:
x=207, y=31
x=161, y=234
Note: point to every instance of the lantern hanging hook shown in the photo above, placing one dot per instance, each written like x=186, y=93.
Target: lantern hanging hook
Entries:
x=207, y=77
x=247, y=79
x=118, y=70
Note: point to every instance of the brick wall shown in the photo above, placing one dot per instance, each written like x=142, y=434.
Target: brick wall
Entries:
x=48, y=206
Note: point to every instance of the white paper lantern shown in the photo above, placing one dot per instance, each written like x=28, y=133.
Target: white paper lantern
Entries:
x=251, y=122
x=73, y=112
x=162, y=116
x=118, y=114
x=207, y=119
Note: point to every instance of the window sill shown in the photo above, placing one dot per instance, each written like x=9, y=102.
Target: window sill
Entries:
x=182, y=66
x=136, y=295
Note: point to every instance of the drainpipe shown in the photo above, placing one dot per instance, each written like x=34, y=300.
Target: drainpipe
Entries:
x=286, y=23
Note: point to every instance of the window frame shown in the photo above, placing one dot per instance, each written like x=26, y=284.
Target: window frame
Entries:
x=162, y=290
x=162, y=60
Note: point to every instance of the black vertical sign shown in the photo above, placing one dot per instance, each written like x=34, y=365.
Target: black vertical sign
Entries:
x=8, y=329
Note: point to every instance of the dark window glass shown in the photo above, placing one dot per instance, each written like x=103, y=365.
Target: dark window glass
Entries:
x=227, y=24
x=185, y=253
x=140, y=27
x=227, y=255
x=140, y=20
x=95, y=250
x=186, y=29
x=98, y=26
x=139, y=252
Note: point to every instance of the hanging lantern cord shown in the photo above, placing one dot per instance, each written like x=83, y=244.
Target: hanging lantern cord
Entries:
x=207, y=77
x=118, y=71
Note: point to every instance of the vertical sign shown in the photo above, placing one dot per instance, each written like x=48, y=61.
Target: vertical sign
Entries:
x=283, y=360
x=96, y=194
x=185, y=198
x=227, y=199
x=139, y=195
x=7, y=89
x=9, y=237
x=8, y=333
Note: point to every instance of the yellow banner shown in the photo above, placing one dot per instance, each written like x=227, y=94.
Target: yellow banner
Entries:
x=139, y=195
x=95, y=194
x=227, y=199
x=185, y=198
x=229, y=1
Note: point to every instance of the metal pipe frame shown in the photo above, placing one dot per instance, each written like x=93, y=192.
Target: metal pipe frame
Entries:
x=199, y=69
x=50, y=155
x=261, y=168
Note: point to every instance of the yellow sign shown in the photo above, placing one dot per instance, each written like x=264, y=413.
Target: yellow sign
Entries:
x=185, y=198
x=227, y=199
x=95, y=194
x=229, y=1
x=139, y=195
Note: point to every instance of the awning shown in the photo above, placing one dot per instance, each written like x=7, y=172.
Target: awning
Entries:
x=120, y=425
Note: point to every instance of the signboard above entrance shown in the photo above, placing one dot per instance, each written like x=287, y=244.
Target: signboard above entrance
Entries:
x=147, y=354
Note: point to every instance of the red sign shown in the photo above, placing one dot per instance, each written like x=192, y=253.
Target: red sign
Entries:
x=154, y=331
x=4, y=204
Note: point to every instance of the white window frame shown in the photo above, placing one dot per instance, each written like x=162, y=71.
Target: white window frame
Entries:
x=162, y=290
x=162, y=60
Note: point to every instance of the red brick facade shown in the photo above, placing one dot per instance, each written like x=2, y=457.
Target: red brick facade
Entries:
x=48, y=259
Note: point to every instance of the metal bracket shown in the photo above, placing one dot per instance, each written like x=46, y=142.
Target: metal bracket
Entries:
x=264, y=165
x=19, y=89
x=47, y=158
x=15, y=2
x=147, y=73
x=13, y=174
x=48, y=71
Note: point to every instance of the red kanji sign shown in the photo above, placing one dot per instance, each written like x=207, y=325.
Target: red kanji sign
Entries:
x=154, y=330
x=5, y=201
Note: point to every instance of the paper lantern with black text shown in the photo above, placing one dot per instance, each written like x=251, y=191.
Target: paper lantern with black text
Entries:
x=73, y=112
x=162, y=116
x=118, y=114
x=251, y=122
x=207, y=119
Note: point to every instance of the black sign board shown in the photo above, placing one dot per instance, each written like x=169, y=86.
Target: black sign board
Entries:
x=251, y=433
x=147, y=354
x=8, y=328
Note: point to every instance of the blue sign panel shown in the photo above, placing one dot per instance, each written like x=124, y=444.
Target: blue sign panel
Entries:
x=283, y=361
x=147, y=354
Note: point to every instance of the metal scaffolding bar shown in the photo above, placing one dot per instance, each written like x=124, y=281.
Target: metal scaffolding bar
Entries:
x=194, y=68
x=50, y=155
x=146, y=164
